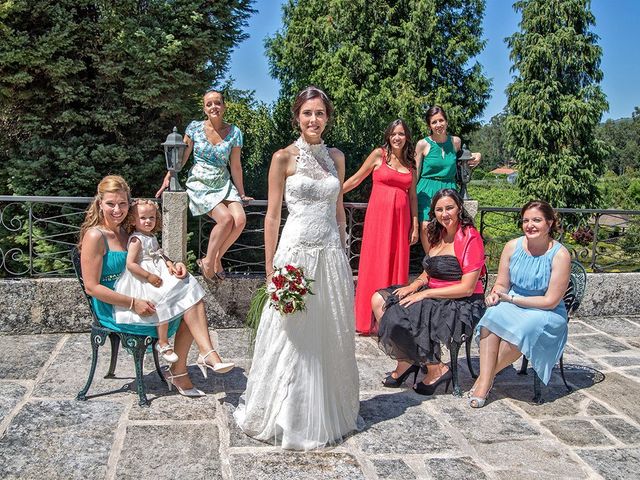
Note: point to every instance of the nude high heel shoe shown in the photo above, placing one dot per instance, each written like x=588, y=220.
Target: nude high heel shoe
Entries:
x=216, y=367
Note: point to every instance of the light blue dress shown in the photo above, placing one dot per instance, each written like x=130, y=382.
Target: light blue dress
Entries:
x=539, y=334
x=209, y=181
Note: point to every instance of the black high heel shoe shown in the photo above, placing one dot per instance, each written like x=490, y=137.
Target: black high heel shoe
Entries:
x=391, y=382
x=430, y=389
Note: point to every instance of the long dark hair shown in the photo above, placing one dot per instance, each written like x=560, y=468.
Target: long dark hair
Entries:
x=434, y=229
x=408, y=151
x=549, y=214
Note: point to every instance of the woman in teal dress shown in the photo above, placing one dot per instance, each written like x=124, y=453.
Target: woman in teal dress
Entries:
x=103, y=242
x=216, y=147
x=436, y=164
x=526, y=314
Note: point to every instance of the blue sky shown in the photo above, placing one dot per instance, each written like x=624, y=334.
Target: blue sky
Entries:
x=617, y=25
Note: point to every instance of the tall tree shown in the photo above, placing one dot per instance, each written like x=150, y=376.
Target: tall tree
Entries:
x=555, y=102
x=491, y=140
x=93, y=87
x=378, y=60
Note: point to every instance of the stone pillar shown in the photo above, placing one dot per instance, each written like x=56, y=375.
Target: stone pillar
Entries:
x=471, y=207
x=174, y=225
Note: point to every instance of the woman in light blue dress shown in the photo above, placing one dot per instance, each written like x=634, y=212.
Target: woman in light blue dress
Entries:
x=215, y=184
x=526, y=314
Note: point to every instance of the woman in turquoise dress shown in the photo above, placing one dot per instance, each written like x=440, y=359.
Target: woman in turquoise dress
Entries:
x=436, y=157
x=103, y=242
x=526, y=314
x=215, y=184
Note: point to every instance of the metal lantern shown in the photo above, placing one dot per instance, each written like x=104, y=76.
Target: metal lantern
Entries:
x=463, y=171
x=173, y=151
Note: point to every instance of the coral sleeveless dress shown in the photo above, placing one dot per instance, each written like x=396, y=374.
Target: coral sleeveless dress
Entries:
x=384, y=256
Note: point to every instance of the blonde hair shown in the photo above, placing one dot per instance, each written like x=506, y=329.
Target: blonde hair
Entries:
x=93, y=216
x=130, y=221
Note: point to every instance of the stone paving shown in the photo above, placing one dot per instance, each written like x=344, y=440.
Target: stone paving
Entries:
x=593, y=432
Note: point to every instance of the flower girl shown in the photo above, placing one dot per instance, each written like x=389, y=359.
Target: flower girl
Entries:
x=150, y=275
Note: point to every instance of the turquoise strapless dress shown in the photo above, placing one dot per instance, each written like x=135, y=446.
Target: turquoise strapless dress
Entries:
x=539, y=334
x=113, y=264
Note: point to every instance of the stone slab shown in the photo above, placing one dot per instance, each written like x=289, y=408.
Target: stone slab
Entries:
x=614, y=326
x=55, y=439
x=595, y=345
x=448, y=468
x=495, y=422
x=396, y=423
x=286, y=465
x=170, y=452
x=621, y=429
x=558, y=403
x=395, y=469
x=22, y=357
x=373, y=370
x=621, y=393
x=622, y=361
x=528, y=459
x=577, y=433
x=10, y=395
x=616, y=463
x=579, y=328
x=233, y=343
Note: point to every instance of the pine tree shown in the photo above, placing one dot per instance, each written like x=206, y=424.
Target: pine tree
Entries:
x=555, y=102
x=89, y=88
x=379, y=60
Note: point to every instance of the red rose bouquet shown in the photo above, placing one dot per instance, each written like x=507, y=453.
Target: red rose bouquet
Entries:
x=288, y=289
x=286, y=292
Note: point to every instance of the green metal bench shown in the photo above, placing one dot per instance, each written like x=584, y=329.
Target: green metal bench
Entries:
x=572, y=299
x=137, y=345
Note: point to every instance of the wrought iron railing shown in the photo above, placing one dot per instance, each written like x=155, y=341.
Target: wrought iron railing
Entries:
x=602, y=240
x=37, y=233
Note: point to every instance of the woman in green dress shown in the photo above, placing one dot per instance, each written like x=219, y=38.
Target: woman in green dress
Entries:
x=215, y=184
x=436, y=163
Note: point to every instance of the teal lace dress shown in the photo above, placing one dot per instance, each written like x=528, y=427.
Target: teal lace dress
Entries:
x=113, y=264
x=209, y=181
x=437, y=171
x=539, y=334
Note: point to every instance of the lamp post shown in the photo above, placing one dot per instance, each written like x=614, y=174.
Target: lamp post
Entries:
x=173, y=151
x=463, y=171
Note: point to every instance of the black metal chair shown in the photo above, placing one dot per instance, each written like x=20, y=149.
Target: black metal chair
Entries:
x=454, y=349
x=572, y=298
x=135, y=344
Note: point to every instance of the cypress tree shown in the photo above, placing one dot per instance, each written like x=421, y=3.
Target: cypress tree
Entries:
x=555, y=102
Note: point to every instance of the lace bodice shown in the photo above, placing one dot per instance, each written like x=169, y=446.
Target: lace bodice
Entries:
x=311, y=194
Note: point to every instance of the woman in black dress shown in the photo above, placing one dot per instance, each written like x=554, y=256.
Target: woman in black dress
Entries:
x=441, y=305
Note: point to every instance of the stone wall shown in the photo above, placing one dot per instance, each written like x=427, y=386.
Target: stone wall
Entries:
x=58, y=305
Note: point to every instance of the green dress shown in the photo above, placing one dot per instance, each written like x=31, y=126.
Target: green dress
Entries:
x=113, y=264
x=437, y=171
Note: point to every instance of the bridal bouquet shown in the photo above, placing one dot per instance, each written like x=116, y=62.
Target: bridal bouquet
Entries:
x=286, y=292
x=288, y=288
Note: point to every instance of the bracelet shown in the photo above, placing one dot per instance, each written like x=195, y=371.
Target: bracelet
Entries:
x=420, y=280
x=512, y=299
x=133, y=301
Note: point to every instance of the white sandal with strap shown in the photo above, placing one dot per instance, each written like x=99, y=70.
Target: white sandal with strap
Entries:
x=216, y=367
x=192, y=392
x=168, y=357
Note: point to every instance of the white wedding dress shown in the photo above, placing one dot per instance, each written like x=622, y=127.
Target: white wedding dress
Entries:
x=302, y=391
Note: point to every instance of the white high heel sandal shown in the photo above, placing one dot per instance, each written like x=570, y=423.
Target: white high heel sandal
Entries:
x=216, y=367
x=192, y=392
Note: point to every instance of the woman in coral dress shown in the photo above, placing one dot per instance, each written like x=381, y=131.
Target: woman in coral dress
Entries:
x=391, y=221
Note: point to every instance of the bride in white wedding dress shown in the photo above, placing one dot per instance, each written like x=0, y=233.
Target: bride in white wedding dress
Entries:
x=302, y=391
